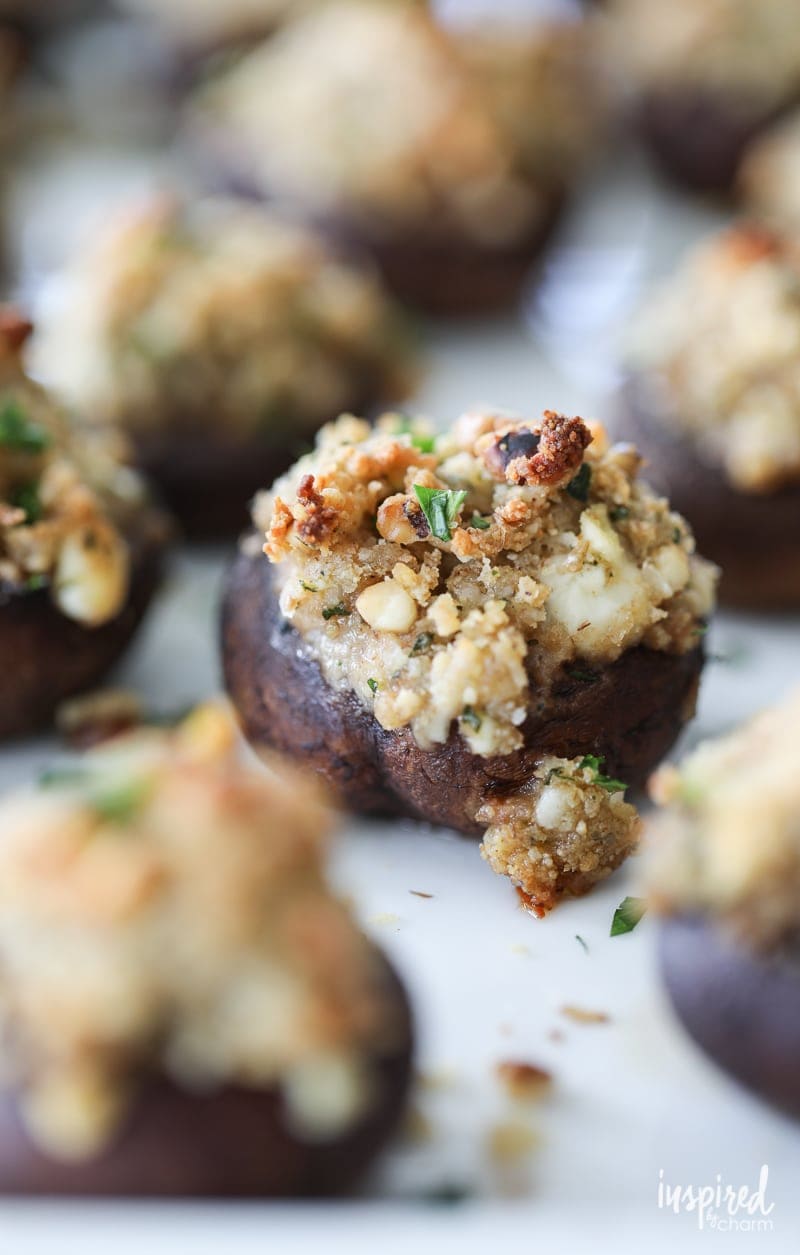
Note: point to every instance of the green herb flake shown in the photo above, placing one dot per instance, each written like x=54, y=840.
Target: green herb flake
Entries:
x=676, y=535
x=481, y=523
x=469, y=716
x=331, y=612
x=113, y=801
x=421, y=643
x=627, y=916
x=19, y=432
x=579, y=486
x=441, y=507
x=619, y=512
x=590, y=762
x=373, y=685
x=26, y=498
x=581, y=942
x=118, y=803
x=420, y=440
x=34, y=582
x=63, y=777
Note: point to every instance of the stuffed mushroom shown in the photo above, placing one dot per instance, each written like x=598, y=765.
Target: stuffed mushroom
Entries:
x=713, y=402
x=81, y=548
x=434, y=619
x=225, y=1028
x=447, y=153
x=725, y=874
x=220, y=337
x=706, y=77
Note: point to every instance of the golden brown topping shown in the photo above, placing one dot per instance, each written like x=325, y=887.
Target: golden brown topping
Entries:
x=67, y=499
x=726, y=842
x=720, y=346
x=184, y=894
x=221, y=315
x=403, y=560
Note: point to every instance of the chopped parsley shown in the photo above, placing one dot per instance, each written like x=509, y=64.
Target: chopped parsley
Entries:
x=481, y=523
x=627, y=916
x=310, y=588
x=331, y=612
x=469, y=716
x=581, y=942
x=34, y=582
x=17, y=431
x=618, y=512
x=579, y=486
x=591, y=762
x=421, y=643
x=373, y=685
x=114, y=801
x=676, y=535
x=420, y=440
x=441, y=507
x=26, y=498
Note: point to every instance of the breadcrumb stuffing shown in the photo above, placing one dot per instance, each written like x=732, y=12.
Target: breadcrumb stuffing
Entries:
x=726, y=841
x=67, y=496
x=221, y=316
x=184, y=896
x=443, y=578
x=480, y=124
x=746, y=51
x=720, y=347
x=567, y=828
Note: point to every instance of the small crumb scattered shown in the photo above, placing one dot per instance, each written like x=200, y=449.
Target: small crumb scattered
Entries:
x=418, y=893
x=524, y=1082
x=580, y=1015
x=510, y=1140
x=520, y=948
x=505, y=1030
x=556, y=1035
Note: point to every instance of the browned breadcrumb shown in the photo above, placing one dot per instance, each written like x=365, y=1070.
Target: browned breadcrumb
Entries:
x=547, y=453
x=524, y=1082
x=320, y=520
x=559, y=834
x=580, y=1015
x=725, y=844
x=418, y=893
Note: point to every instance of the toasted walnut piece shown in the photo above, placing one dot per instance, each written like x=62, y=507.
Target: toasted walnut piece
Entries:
x=546, y=455
x=320, y=520
x=400, y=519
